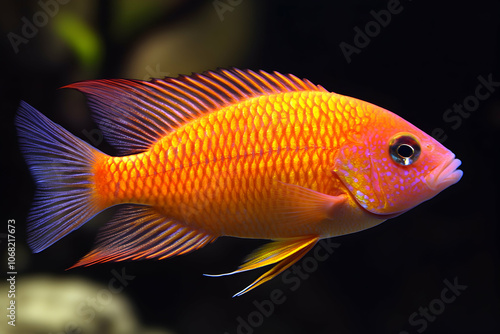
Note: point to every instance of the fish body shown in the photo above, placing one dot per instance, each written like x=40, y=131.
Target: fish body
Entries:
x=228, y=164
x=227, y=153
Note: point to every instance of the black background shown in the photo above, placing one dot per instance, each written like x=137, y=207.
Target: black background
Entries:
x=426, y=59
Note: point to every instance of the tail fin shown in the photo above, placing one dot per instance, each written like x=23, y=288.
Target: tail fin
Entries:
x=61, y=165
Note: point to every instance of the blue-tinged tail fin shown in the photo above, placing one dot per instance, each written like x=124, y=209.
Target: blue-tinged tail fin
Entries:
x=61, y=165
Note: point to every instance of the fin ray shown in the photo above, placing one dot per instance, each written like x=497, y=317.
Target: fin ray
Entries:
x=61, y=165
x=284, y=252
x=134, y=114
x=273, y=252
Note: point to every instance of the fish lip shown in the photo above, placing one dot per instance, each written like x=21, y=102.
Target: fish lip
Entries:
x=444, y=175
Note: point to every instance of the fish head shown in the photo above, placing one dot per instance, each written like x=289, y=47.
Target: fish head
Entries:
x=390, y=166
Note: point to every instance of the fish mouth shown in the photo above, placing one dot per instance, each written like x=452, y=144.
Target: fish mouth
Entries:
x=444, y=175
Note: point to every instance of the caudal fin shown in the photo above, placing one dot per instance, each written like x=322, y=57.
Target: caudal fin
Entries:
x=61, y=165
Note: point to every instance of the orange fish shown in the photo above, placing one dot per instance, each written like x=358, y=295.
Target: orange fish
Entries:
x=227, y=153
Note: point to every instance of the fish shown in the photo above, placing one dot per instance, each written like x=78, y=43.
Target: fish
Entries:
x=228, y=152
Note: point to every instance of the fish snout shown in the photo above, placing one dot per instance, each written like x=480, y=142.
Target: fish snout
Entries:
x=444, y=175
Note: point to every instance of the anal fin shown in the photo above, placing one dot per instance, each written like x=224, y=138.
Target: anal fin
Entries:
x=285, y=252
x=139, y=232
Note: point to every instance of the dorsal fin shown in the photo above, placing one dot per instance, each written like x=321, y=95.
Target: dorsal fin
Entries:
x=134, y=114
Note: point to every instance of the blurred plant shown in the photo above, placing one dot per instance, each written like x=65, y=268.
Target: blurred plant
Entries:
x=131, y=16
x=81, y=38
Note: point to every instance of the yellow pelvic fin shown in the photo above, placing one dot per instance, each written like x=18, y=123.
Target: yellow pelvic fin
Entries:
x=286, y=252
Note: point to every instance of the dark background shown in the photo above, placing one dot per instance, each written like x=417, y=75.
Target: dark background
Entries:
x=426, y=59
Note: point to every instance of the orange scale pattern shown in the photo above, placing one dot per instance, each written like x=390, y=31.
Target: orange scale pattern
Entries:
x=219, y=173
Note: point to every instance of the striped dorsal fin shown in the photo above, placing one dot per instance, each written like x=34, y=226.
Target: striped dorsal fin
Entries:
x=135, y=114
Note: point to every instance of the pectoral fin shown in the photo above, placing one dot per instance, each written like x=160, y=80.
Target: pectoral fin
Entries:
x=285, y=252
x=303, y=204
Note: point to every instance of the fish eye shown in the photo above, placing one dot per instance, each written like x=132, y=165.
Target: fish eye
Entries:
x=404, y=149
